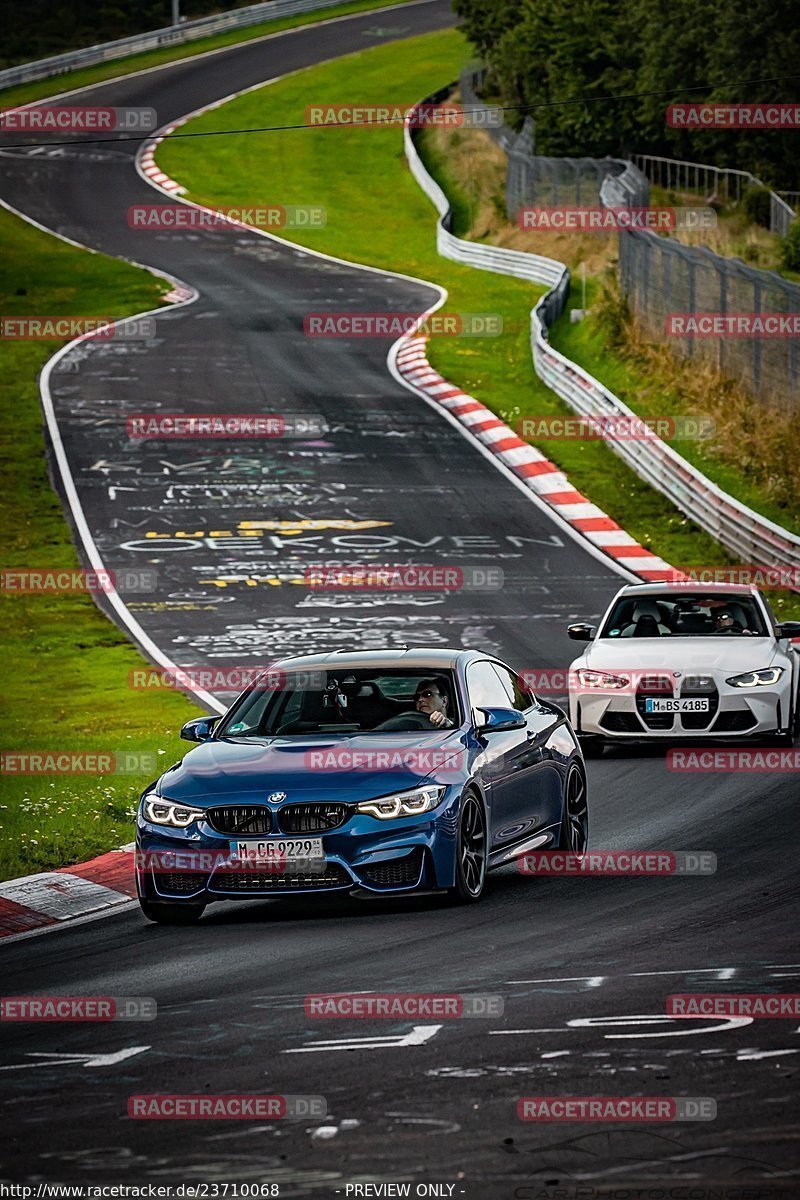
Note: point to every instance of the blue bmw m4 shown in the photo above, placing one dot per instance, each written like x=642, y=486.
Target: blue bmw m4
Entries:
x=370, y=773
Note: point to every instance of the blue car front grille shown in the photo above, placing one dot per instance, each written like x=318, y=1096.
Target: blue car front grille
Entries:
x=240, y=818
x=311, y=818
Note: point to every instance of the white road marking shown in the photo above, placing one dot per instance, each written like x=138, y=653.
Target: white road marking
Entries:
x=74, y=1060
x=418, y=1035
x=750, y=1055
x=719, y=1025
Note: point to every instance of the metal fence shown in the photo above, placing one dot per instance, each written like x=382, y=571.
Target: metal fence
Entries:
x=745, y=533
x=660, y=277
x=715, y=183
x=172, y=35
x=538, y=179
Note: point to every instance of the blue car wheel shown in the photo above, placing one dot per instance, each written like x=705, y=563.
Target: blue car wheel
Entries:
x=471, y=851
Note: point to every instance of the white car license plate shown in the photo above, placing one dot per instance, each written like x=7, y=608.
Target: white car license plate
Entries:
x=278, y=850
x=676, y=706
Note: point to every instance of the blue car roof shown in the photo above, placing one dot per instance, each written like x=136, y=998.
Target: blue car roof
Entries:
x=425, y=657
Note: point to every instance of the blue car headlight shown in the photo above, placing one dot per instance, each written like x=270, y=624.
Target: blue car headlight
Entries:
x=160, y=811
x=404, y=804
x=756, y=678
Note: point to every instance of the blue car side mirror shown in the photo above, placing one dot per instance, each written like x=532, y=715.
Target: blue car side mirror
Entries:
x=199, y=730
x=500, y=719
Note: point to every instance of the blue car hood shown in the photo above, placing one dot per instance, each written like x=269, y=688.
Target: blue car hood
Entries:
x=313, y=768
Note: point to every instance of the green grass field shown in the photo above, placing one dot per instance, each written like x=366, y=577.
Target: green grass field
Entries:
x=66, y=665
x=378, y=215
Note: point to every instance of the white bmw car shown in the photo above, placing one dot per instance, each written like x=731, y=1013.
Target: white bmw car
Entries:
x=685, y=662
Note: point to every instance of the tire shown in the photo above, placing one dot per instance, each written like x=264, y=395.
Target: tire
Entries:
x=471, y=851
x=164, y=913
x=574, y=835
x=591, y=746
x=788, y=736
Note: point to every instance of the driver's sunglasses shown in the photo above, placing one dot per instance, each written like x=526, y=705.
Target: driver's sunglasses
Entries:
x=427, y=695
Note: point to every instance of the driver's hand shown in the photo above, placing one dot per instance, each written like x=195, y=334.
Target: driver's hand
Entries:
x=439, y=720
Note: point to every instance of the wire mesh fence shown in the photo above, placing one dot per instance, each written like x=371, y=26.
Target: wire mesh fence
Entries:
x=742, y=321
x=684, y=293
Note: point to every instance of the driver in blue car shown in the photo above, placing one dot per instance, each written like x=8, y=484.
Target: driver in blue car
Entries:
x=431, y=700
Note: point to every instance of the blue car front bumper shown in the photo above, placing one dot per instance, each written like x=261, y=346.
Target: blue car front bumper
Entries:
x=364, y=853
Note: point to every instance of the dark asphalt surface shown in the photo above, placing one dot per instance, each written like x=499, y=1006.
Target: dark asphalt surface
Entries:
x=567, y=956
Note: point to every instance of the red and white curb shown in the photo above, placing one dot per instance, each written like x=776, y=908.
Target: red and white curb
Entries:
x=151, y=169
x=37, y=901
x=530, y=465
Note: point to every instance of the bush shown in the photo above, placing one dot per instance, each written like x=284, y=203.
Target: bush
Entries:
x=756, y=205
x=790, y=248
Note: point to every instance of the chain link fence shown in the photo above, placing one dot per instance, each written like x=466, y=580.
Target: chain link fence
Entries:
x=662, y=279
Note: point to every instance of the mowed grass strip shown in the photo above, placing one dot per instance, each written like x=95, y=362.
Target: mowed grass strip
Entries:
x=65, y=665
x=377, y=214
x=24, y=93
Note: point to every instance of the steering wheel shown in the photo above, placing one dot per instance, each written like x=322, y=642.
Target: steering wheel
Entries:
x=407, y=721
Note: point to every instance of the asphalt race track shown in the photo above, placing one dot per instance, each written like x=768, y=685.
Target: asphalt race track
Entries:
x=583, y=965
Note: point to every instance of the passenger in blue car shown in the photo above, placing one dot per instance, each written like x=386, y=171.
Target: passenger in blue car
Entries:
x=431, y=699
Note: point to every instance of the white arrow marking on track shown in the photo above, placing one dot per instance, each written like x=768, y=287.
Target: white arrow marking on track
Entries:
x=74, y=1060
x=418, y=1035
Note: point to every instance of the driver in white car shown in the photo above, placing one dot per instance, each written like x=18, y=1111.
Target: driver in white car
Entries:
x=430, y=699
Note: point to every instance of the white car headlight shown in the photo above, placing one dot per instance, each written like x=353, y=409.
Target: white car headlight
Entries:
x=404, y=804
x=761, y=678
x=601, y=679
x=161, y=811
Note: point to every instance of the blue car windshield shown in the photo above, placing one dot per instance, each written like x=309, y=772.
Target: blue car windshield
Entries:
x=345, y=700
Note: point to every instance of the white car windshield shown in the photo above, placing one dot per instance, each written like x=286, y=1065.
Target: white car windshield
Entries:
x=685, y=614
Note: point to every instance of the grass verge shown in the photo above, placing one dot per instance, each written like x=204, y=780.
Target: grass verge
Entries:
x=24, y=93
x=378, y=215
x=66, y=665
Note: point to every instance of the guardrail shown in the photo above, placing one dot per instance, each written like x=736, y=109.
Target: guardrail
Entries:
x=714, y=183
x=172, y=35
x=743, y=532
